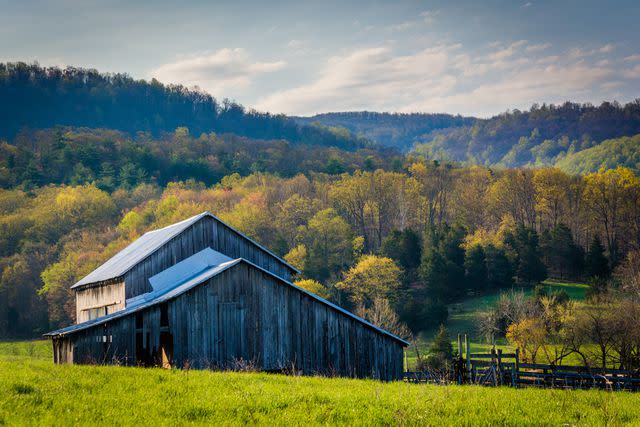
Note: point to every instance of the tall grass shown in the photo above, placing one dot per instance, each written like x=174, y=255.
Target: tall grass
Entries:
x=33, y=391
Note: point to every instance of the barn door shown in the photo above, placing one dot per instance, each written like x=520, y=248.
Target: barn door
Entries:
x=231, y=318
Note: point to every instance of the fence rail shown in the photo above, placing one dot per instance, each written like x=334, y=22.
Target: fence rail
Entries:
x=504, y=369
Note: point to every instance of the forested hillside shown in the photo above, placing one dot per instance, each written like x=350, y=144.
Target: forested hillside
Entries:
x=113, y=159
x=396, y=130
x=542, y=136
x=36, y=97
x=624, y=151
x=392, y=246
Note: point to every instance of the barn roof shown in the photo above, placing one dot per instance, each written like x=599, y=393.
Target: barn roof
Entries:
x=190, y=273
x=147, y=244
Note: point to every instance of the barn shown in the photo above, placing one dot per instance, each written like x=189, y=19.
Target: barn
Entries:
x=200, y=294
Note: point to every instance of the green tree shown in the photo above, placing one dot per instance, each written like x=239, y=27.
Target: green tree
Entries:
x=475, y=265
x=403, y=247
x=596, y=264
x=371, y=278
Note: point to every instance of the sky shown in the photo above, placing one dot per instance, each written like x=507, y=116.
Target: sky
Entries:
x=303, y=58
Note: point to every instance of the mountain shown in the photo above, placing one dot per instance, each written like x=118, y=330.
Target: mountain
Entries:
x=36, y=97
x=396, y=130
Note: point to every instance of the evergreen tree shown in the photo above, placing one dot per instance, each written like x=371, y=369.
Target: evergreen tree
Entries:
x=441, y=345
x=530, y=268
x=403, y=247
x=499, y=268
x=596, y=264
x=475, y=265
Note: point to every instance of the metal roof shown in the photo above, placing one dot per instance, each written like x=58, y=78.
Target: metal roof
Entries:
x=147, y=244
x=169, y=292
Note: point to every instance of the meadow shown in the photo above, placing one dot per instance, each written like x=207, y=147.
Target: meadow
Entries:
x=34, y=391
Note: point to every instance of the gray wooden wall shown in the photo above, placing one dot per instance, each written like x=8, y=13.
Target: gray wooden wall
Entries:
x=246, y=314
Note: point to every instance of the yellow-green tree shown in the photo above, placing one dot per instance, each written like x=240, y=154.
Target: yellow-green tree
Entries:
x=371, y=278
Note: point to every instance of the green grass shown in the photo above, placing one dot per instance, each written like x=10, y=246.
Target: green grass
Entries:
x=33, y=391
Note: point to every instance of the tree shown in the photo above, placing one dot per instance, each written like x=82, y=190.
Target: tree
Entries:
x=328, y=240
x=382, y=315
x=499, y=269
x=403, y=247
x=530, y=268
x=371, y=278
x=564, y=257
x=596, y=264
x=475, y=265
x=314, y=287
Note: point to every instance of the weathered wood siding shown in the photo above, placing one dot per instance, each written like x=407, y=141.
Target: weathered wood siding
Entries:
x=208, y=232
x=246, y=316
x=111, y=296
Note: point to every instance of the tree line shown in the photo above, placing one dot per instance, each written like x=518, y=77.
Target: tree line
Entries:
x=36, y=97
x=112, y=159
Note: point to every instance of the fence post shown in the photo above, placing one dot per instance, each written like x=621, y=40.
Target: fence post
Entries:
x=500, y=371
x=468, y=350
x=517, y=368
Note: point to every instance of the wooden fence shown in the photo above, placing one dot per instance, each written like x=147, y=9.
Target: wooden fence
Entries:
x=498, y=368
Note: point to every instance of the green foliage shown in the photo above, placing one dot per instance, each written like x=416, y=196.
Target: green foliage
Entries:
x=530, y=268
x=543, y=136
x=596, y=264
x=609, y=154
x=372, y=278
x=475, y=265
x=403, y=247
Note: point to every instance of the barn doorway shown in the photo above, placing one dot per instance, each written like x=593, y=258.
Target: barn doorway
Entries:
x=166, y=350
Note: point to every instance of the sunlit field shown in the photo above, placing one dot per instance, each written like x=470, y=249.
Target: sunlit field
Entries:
x=34, y=391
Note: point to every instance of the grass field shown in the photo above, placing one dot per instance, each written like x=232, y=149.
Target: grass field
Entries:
x=33, y=391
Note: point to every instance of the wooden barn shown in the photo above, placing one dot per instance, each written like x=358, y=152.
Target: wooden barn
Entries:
x=201, y=294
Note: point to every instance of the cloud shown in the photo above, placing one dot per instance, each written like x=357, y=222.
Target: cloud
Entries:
x=428, y=16
x=538, y=47
x=397, y=28
x=220, y=73
x=366, y=78
x=633, y=73
x=508, y=51
x=445, y=78
x=632, y=58
x=606, y=48
x=527, y=4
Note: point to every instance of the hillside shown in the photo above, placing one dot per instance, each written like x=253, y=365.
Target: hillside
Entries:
x=33, y=391
x=536, y=137
x=624, y=151
x=396, y=130
x=541, y=136
x=113, y=158
x=36, y=97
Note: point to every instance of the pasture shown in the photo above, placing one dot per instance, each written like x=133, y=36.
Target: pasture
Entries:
x=34, y=391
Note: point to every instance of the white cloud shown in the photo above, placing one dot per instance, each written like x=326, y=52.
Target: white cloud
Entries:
x=508, y=51
x=632, y=58
x=445, y=78
x=527, y=4
x=606, y=48
x=633, y=73
x=428, y=16
x=538, y=47
x=220, y=73
x=404, y=26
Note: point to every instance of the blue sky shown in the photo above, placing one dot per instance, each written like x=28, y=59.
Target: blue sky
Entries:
x=474, y=58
